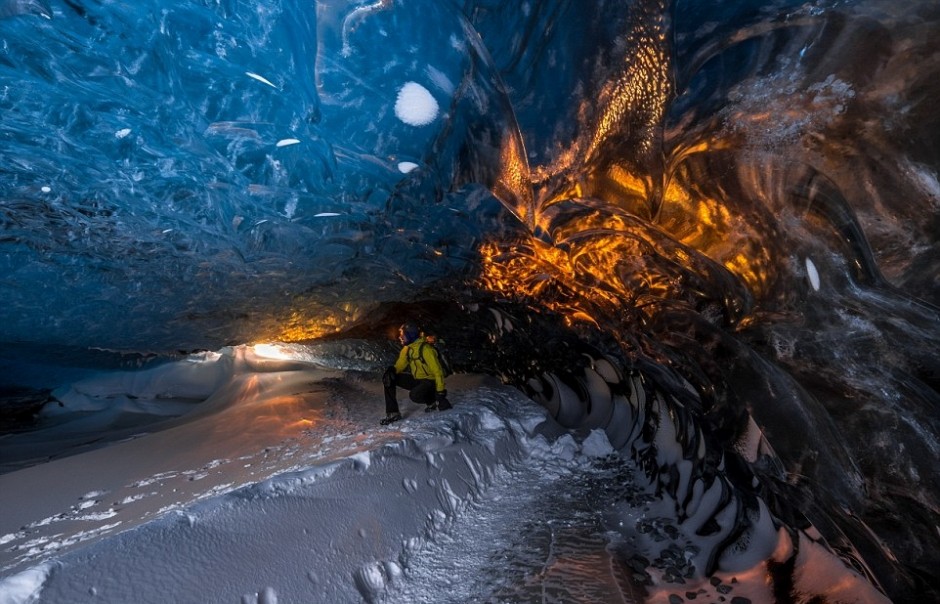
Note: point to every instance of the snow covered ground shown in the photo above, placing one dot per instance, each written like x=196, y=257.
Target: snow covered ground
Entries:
x=280, y=486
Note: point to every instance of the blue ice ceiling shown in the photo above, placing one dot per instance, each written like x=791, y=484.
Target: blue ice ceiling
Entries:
x=188, y=174
x=182, y=175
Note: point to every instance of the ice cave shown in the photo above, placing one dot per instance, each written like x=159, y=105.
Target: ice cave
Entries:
x=683, y=258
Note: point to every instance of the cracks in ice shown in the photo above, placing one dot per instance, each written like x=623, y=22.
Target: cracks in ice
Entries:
x=354, y=19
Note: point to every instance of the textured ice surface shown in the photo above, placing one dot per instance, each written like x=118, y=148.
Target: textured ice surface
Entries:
x=188, y=151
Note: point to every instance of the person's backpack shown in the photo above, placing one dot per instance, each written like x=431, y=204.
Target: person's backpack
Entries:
x=437, y=344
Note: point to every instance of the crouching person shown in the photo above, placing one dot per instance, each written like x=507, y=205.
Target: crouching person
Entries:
x=418, y=370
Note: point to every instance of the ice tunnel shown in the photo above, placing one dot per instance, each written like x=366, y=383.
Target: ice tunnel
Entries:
x=705, y=230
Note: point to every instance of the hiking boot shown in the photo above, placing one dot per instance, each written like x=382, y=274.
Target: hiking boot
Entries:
x=444, y=405
x=391, y=418
x=431, y=407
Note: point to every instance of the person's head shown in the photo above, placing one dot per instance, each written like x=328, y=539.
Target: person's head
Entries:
x=408, y=333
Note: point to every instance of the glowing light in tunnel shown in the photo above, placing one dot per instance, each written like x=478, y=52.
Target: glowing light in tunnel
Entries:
x=536, y=270
x=610, y=255
x=299, y=425
x=635, y=101
x=604, y=260
x=514, y=186
x=310, y=320
x=272, y=351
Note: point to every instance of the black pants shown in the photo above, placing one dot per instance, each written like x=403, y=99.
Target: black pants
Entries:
x=421, y=391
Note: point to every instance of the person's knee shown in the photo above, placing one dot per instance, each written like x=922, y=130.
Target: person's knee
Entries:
x=418, y=395
x=423, y=393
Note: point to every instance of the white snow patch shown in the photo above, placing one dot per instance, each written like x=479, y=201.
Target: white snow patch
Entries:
x=407, y=166
x=24, y=587
x=596, y=444
x=415, y=105
x=370, y=580
x=99, y=516
x=325, y=215
x=11, y=537
x=926, y=180
x=287, y=142
x=266, y=596
x=812, y=274
x=363, y=460
x=132, y=498
x=440, y=80
x=290, y=208
x=491, y=421
x=122, y=133
x=261, y=79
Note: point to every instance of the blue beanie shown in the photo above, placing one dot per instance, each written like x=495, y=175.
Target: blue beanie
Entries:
x=410, y=332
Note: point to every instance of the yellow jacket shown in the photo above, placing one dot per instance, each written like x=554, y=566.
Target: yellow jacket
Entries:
x=420, y=359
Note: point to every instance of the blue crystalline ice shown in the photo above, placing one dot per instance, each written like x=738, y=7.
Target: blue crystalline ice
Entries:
x=406, y=92
x=13, y=8
x=180, y=165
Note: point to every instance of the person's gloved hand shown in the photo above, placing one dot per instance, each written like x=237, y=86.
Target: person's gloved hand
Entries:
x=442, y=402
